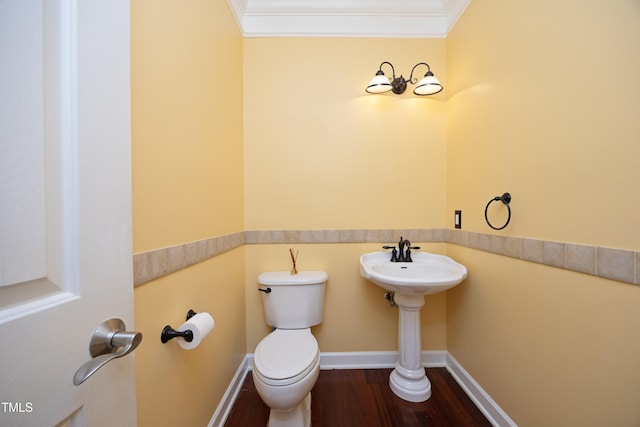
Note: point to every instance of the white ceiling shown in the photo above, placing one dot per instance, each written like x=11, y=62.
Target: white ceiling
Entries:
x=347, y=18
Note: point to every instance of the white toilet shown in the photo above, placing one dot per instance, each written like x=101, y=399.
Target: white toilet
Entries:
x=286, y=363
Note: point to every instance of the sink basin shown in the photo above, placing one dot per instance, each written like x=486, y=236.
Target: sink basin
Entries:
x=427, y=274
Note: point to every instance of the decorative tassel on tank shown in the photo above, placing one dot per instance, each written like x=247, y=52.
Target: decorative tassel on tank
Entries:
x=293, y=260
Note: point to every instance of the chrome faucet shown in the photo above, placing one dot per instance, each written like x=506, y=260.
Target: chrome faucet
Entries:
x=400, y=255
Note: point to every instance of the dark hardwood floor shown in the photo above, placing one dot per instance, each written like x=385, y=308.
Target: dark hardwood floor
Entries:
x=362, y=397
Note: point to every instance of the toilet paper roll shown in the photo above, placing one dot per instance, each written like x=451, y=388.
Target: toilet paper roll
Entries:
x=200, y=324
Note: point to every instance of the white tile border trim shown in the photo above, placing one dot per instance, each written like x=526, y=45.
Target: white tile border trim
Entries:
x=622, y=265
x=377, y=360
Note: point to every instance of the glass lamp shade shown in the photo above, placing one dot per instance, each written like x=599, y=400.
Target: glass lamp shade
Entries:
x=379, y=84
x=428, y=85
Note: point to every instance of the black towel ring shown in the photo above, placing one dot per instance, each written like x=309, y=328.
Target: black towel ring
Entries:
x=506, y=199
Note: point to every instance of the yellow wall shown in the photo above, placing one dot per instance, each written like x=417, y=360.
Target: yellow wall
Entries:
x=543, y=102
x=186, y=72
x=322, y=153
x=187, y=186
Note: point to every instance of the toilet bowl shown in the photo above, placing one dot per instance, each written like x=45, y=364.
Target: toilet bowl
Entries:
x=286, y=363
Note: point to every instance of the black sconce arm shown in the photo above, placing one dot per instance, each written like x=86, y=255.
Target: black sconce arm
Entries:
x=415, y=80
x=393, y=70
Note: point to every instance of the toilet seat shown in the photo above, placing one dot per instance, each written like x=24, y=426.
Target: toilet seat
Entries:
x=285, y=356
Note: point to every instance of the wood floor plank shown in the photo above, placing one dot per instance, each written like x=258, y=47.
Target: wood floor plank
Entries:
x=362, y=397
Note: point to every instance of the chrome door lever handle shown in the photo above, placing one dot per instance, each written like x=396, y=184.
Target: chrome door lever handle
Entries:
x=109, y=341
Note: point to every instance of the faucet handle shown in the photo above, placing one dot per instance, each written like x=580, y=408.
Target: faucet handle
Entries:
x=394, y=252
x=407, y=255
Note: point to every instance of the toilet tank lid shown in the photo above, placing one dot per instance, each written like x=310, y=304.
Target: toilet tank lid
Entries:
x=275, y=278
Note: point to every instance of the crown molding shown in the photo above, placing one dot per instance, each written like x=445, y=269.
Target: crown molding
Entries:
x=347, y=18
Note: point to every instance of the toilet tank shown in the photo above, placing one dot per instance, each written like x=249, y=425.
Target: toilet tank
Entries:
x=296, y=301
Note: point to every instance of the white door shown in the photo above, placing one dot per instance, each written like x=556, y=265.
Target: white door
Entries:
x=65, y=209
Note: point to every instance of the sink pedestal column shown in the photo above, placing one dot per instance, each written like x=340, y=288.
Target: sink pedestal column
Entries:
x=408, y=380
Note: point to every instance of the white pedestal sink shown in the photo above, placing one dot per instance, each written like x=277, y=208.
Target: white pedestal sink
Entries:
x=410, y=282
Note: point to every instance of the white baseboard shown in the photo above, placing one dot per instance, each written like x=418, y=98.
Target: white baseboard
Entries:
x=496, y=416
x=228, y=399
x=377, y=360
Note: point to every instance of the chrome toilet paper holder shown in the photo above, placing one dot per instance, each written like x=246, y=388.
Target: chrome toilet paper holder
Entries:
x=168, y=333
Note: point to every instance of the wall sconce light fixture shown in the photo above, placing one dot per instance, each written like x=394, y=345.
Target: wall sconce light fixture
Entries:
x=381, y=83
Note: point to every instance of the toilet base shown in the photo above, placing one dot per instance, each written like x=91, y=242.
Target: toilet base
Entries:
x=300, y=416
